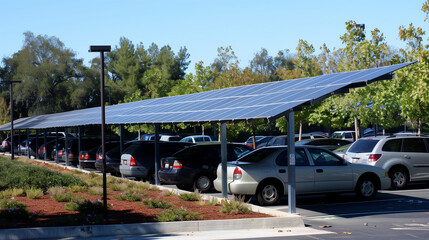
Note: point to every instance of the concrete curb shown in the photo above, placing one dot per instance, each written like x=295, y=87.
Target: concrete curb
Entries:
x=279, y=220
x=150, y=228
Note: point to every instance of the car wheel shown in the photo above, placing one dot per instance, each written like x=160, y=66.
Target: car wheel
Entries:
x=399, y=178
x=366, y=188
x=203, y=183
x=268, y=194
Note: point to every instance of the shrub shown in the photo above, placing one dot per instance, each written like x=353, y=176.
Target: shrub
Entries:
x=89, y=212
x=60, y=194
x=77, y=188
x=156, y=203
x=189, y=196
x=169, y=193
x=18, y=174
x=14, y=192
x=212, y=202
x=235, y=207
x=95, y=191
x=119, y=187
x=34, y=193
x=130, y=196
x=15, y=210
x=169, y=215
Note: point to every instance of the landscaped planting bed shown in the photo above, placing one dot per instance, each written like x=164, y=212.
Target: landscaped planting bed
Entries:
x=37, y=194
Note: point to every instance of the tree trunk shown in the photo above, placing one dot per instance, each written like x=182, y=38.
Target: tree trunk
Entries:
x=357, y=132
x=419, y=122
x=300, y=130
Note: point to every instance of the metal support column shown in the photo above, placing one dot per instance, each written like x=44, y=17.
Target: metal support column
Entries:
x=37, y=144
x=19, y=141
x=66, y=146
x=28, y=137
x=157, y=158
x=291, y=162
x=79, y=145
x=45, y=140
x=223, y=154
x=121, y=139
x=56, y=146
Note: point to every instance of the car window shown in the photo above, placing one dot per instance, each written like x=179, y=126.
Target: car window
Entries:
x=257, y=155
x=323, y=158
x=240, y=151
x=300, y=158
x=414, y=145
x=363, y=146
x=393, y=145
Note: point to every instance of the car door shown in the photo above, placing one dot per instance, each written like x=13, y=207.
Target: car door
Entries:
x=416, y=153
x=304, y=172
x=330, y=172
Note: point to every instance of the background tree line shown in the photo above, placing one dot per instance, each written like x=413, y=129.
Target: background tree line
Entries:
x=55, y=80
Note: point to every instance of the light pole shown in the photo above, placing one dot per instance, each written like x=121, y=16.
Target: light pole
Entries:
x=11, y=117
x=101, y=50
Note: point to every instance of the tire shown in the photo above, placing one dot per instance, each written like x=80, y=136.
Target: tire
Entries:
x=203, y=183
x=268, y=194
x=366, y=188
x=399, y=178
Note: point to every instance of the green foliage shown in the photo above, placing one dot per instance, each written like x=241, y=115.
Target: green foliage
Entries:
x=234, y=207
x=189, y=196
x=60, y=194
x=77, y=188
x=169, y=193
x=212, y=202
x=15, y=210
x=90, y=213
x=170, y=215
x=13, y=192
x=34, y=193
x=16, y=174
x=95, y=191
x=130, y=196
x=156, y=203
x=118, y=186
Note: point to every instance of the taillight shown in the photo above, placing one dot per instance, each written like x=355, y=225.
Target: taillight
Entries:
x=84, y=156
x=237, y=174
x=177, y=164
x=43, y=149
x=97, y=157
x=133, y=161
x=373, y=157
x=70, y=154
x=6, y=144
x=60, y=153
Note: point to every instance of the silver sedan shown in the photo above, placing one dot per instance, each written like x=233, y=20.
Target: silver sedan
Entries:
x=264, y=173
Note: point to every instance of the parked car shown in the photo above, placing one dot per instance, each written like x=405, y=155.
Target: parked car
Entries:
x=195, y=167
x=197, y=139
x=264, y=173
x=138, y=159
x=346, y=135
x=5, y=145
x=341, y=151
x=113, y=159
x=406, y=158
x=170, y=138
x=281, y=140
x=260, y=141
x=73, y=148
x=327, y=143
x=33, y=144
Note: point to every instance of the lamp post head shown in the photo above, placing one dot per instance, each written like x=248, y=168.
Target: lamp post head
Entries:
x=99, y=48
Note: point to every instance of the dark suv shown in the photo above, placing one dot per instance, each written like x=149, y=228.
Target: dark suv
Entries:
x=195, y=167
x=406, y=158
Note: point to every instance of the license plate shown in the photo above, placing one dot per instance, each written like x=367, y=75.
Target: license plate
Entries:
x=355, y=160
x=167, y=165
x=125, y=162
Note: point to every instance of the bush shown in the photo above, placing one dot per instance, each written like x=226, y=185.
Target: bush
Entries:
x=71, y=206
x=14, y=192
x=34, y=193
x=60, y=194
x=118, y=187
x=189, y=197
x=95, y=191
x=169, y=193
x=89, y=212
x=18, y=174
x=130, y=196
x=156, y=203
x=235, y=207
x=15, y=210
x=77, y=188
x=170, y=215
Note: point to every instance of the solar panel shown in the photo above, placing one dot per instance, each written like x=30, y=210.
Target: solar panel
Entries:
x=264, y=100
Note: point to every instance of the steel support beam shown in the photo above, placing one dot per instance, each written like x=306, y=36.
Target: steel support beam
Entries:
x=157, y=156
x=291, y=162
x=223, y=154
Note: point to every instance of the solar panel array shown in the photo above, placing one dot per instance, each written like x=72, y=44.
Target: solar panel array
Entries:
x=265, y=100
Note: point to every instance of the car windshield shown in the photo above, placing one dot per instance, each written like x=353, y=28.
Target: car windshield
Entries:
x=363, y=146
x=336, y=135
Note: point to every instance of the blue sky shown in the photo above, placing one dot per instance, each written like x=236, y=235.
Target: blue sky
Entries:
x=202, y=26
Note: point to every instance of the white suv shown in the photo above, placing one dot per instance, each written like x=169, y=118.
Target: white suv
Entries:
x=406, y=158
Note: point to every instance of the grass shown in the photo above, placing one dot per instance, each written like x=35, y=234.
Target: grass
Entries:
x=34, y=193
x=234, y=207
x=189, y=196
x=131, y=196
x=182, y=214
x=156, y=203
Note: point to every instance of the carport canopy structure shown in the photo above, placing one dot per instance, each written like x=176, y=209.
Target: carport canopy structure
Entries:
x=259, y=101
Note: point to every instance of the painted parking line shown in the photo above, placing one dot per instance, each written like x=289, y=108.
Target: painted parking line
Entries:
x=331, y=217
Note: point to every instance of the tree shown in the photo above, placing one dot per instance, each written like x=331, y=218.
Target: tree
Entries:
x=262, y=63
